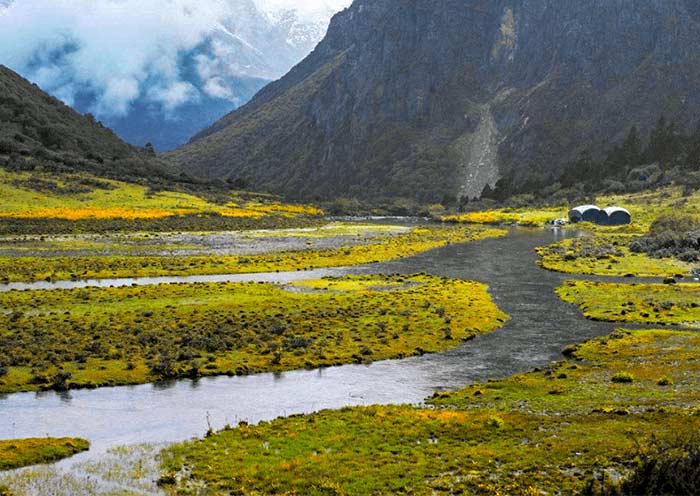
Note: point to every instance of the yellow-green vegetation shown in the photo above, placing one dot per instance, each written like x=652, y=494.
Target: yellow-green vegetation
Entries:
x=333, y=229
x=107, y=336
x=609, y=255
x=28, y=269
x=528, y=217
x=16, y=453
x=644, y=207
x=81, y=196
x=544, y=432
x=134, y=243
x=641, y=303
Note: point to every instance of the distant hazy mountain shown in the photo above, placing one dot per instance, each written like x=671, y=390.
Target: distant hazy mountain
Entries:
x=246, y=44
x=436, y=99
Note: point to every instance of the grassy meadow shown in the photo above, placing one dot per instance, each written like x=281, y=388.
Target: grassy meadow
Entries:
x=584, y=425
x=608, y=255
x=560, y=430
x=677, y=304
x=379, y=249
x=70, y=203
x=33, y=195
x=62, y=339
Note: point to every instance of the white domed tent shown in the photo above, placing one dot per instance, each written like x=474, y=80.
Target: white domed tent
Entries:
x=586, y=213
x=617, y=216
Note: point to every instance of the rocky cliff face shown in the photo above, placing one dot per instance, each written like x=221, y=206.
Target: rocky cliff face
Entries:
x=434, y=99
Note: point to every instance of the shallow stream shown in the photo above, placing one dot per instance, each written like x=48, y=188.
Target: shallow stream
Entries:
x=541, y=324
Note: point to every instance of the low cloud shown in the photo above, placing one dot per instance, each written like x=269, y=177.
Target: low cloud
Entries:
x=114, y=50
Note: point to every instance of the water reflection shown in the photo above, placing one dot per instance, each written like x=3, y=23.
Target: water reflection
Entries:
x=272, y=277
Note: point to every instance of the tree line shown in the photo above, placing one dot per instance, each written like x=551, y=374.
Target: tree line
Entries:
x=668, y=155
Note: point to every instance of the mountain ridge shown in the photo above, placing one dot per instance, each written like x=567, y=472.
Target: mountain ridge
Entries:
x=40, y=131
x=437, y=100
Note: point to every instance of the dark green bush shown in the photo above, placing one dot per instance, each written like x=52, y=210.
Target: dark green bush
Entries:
x=671, y=235
x=665, y=468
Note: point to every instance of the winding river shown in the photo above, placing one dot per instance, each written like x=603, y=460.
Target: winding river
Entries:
x=541, y=325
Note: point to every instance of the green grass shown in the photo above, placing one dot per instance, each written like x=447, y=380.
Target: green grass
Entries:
x=544, y=432
x=109, y=336
x=35, y=195
x=677, y=304
x=607, y=255
x=28, y=269
x=17, y=453
x=644, y=207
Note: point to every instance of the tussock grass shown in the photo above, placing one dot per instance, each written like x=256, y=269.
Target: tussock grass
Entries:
x=110, y=336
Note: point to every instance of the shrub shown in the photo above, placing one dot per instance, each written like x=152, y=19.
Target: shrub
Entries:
x=60, y=381
x=623, y=378
x=665, y=381
x=663, y=468
x=164, y=368
x=671, y=235
x=674, y=222
x=495, y=422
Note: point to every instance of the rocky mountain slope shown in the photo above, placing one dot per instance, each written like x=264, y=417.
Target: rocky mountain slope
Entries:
x=434, y=100
x=39, y=131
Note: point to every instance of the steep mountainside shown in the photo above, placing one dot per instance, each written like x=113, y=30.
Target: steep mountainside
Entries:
x=37, y=130
x=436, y=99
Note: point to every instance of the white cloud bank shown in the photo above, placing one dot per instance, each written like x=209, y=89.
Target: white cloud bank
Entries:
x=306, y=9
x=119, y=50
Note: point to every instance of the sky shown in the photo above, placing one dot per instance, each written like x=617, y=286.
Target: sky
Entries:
x=118, y=49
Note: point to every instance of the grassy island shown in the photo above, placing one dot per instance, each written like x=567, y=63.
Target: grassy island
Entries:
x=421, y=239
x=17, y=453
x=92, y=337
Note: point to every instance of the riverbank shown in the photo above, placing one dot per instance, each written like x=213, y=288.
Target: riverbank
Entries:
x=561, y=429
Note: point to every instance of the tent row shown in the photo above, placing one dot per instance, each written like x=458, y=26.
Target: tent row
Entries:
x=611, y=216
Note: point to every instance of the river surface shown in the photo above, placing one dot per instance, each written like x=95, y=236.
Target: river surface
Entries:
x=541, y=324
